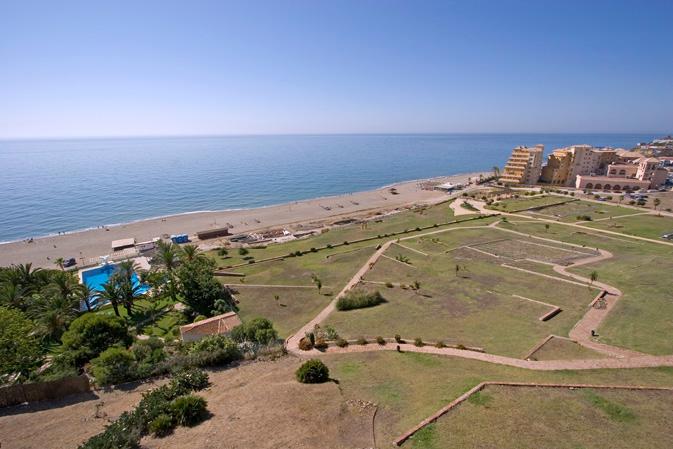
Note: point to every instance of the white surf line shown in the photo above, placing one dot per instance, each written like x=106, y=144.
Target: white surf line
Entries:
x=412, y=249
x=398, y=261
x=548, y=276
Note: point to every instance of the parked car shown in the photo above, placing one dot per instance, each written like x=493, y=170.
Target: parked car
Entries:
x=69, y=262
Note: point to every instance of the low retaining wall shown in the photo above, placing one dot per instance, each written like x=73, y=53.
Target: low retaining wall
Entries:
x=400, y=440
x=43, y=391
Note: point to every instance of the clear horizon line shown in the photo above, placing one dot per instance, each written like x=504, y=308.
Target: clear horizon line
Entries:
x=209, y=135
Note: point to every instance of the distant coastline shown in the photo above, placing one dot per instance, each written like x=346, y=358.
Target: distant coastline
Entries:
x=52, y=186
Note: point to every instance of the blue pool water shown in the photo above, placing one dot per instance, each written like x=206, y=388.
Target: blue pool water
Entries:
x=95, y=278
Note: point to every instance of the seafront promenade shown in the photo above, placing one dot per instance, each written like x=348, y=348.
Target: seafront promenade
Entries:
x=85, y=245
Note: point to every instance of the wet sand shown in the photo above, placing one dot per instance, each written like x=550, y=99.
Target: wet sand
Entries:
x=90, y=244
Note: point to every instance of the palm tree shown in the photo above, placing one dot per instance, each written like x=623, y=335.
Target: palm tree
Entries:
x=496, y=172
x=28, y=278
x=57, y=305
x=191, y=252
x=125, y=285
x=85, y=294
x=110, y=293
x=60, y=262
x=167, y=257
x=657, y=202
x=13, y=295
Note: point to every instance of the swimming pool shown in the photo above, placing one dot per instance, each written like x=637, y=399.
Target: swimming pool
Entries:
x=95, y=278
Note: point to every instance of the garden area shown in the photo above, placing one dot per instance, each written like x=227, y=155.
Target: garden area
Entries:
x=478, y=304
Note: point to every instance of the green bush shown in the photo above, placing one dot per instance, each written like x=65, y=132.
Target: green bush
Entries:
x=257, y=330
x=192, y=379
x=20, y=350
x=162, y=425
x=113, y=366
x=380, y=340
x=358, y=299
x=199, y=318
x=398, y=339
x=93, y=333
x=418, y=341
x=214, y=350
x=362, y=341
x=440, y=344
x=340, y=342
x=312, y=372
x=389, y=285
x=189, y=410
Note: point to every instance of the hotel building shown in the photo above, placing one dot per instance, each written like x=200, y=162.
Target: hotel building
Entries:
x=523, y=166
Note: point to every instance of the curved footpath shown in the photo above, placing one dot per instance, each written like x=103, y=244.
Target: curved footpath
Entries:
x=581, y=332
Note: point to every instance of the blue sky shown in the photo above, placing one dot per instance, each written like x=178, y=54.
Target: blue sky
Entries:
x=108, y=68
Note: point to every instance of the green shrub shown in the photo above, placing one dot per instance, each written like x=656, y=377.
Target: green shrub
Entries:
x=93, y=333
x=362, y=341
x=312, y=372
x=189, y=410
x=162, y=425
x=257, y=330
x=389, y=285
x=340, y=342
x=398, y=338
x=460, y=346
x=418, y=341
x=199, y=318
x=358, y=299
x=214, y=350
x=192, y=379
x=380, y=340
x=242, y=252
x=440, y=344
x=113, y=366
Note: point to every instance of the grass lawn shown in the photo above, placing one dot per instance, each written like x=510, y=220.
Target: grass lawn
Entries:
x=650, y=226
x=408, y=387
x=643, y=319
x=569, y=212
x=528, y=202
x=554, y=417
x=562, y=349
x=151, y=317
x=293, y=308
x=477, y=307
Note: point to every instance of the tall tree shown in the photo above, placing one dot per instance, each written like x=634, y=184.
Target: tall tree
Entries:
x=190, y=252
x=168, y=259
x=128, y=292
x=200, y=291
x=111, y=294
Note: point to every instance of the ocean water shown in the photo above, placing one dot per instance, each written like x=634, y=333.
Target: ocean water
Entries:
x=51, y=186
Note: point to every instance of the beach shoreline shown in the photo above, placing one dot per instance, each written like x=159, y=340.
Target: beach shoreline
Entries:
x=87, y=244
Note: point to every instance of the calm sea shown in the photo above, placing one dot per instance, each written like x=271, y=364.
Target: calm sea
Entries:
x=63, y=185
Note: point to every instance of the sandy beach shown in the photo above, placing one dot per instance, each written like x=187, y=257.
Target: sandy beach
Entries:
x=90, y=244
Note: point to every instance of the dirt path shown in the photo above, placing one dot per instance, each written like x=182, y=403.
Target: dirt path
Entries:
x=581, y=332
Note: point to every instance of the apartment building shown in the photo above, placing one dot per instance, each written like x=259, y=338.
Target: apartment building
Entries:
x=565, y=164
x=524, y=166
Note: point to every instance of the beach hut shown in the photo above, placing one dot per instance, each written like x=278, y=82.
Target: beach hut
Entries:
x=213, y=233
x=118, y=245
